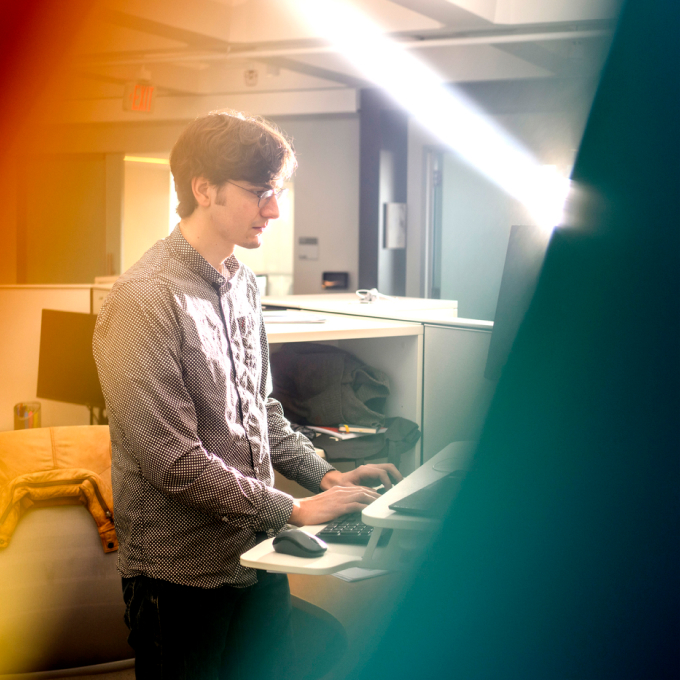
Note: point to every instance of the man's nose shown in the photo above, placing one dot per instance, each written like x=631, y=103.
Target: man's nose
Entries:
x=270, y=209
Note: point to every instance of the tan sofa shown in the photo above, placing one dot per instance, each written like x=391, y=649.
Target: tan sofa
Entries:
x=56, y=466
x=62, y=606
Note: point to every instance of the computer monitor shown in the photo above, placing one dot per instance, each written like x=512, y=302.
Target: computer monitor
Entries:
x=523, y=263
x=66, y=368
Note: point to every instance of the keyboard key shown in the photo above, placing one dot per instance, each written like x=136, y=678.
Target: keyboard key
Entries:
x=349, y=529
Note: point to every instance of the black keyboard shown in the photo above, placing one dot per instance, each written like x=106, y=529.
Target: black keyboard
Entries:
x=350, y=529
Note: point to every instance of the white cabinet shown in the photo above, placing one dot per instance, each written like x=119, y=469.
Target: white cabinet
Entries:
x=395, y=347
x=453, y=396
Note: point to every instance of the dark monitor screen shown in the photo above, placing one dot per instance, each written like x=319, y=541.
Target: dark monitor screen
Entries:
x=523, y=263
x=66, y=368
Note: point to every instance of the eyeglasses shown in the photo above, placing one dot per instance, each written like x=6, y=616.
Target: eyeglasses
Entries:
x=262, y=196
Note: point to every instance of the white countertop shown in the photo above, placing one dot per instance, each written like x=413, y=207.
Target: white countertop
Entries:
x=338, y=327
x=349, y=303
x=414, y=310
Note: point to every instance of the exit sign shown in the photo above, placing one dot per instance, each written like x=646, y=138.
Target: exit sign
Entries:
x=138, y=97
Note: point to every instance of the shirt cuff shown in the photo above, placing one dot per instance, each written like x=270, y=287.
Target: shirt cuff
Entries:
x=312, y=472
x=277, y=507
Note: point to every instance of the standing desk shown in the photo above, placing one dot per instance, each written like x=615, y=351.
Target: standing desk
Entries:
x=411, y=534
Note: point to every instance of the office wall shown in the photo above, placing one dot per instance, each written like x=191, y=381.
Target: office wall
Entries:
x=417, y=268
x=61, y=216
x=326, y=183
x=477, y=215
x=547, y=117
x=8, y=232
x=383, y=146
x=112, y=140
x=275, y=257
x=326, y=196
x=476, y=221
x=126, y=138
x=61, y=203
x=146, y=208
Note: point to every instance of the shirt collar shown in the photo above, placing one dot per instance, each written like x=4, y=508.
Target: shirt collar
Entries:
x=185, y=252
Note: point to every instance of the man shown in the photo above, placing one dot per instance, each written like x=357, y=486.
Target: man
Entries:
x=182, y=356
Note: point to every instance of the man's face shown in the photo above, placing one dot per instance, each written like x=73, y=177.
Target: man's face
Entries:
x=236, y=216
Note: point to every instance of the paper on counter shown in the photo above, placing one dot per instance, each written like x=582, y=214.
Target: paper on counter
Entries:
x=286, y=316
x=358, y=574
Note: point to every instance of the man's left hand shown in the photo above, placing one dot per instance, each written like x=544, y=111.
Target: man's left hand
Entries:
x=365, y=475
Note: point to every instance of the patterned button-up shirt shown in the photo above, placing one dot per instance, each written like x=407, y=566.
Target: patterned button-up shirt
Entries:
x=183, y=360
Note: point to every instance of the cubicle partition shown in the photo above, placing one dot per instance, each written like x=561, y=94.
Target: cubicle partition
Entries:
x=395, y=347
x=20, y=317
x=453, y=394
x=456, y=395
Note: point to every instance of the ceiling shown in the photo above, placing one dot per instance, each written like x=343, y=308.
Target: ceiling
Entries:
x=261, y=55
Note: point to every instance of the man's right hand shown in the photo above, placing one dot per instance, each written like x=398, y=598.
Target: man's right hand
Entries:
x=326, y=506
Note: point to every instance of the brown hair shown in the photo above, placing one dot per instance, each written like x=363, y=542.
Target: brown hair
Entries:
x=228, y=145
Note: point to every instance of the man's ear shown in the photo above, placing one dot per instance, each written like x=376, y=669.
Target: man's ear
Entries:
x=200, y=187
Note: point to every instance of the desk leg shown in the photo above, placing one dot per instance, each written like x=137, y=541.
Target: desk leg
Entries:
x=370, y=548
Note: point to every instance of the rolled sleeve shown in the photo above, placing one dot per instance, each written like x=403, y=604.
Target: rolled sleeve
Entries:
x=292, y=453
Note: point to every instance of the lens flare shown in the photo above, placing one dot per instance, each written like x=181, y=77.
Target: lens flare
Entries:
x=439, y=107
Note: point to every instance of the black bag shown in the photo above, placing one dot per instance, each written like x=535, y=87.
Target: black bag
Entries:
x=323, y=385
x=401, y=436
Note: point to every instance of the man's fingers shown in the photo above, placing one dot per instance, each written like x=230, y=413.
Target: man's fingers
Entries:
x=355, y=494
x=369, y=473
x=375, y=473
x=385, y=472
x=356, y=507
x=362, y=493
x=392, y=471
x=385, y=479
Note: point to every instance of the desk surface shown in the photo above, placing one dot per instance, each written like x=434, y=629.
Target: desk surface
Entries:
x=455, y=456
x=401, y=308
x=337, y=557
x=338, y=327
x=415, y=310
x=333, y=301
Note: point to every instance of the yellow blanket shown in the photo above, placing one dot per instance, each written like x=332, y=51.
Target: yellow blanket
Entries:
x=57, y=466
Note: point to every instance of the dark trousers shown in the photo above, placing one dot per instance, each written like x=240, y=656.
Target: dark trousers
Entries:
x=187, y=633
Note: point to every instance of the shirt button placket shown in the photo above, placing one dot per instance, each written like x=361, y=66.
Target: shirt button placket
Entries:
x=227, y=317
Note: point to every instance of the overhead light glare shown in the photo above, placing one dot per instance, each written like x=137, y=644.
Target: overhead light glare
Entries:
x=443, y=110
